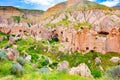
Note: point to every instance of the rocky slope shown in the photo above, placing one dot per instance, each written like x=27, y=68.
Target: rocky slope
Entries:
x=7, y=14
x=80, y=25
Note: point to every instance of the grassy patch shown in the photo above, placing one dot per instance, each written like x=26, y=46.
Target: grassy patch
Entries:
x=82, y=25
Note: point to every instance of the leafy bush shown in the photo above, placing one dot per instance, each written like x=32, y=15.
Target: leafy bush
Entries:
x=63, y=70
x=43, y=61
x=94, y=55
x=29, y=25
x=96, y=73
x=53, y=65
x=2, y=55
x=54, y=39
x=21, y=60
x=17, y=69
x=114, y=72
x=16, y=19
x=44, y=70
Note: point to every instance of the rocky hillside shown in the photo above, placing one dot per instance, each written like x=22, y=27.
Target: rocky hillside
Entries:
x=84, y=26
x=8, y=13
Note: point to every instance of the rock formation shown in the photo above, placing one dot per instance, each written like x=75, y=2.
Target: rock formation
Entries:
x=81, y=70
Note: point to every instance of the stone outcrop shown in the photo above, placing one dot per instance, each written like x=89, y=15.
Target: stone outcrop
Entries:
x=63, y=65
x=86, y=40
x=81, y=70
x=97, y=60
x=115, y=59
x=12, y=54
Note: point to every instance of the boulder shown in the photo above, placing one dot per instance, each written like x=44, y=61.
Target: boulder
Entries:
x=12, y=54
x=63, y=65
x=28, y=58
x=81, y=70
x=115, y=59
x=97, y=60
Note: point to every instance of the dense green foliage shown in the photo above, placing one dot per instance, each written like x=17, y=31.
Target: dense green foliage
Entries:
x=96, y=73
x=16, y=19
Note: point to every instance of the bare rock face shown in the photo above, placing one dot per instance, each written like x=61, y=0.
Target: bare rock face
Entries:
x=113, y=41
x=86, y=40
x=81, y=70
x=5, y=30
x=97, y=60
x=12, y=54
x=115, y=59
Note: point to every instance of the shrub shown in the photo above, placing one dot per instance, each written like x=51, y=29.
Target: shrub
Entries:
x=54, y=39
x=44, y=70
x=53, y=65
x=43, y=61
x=63, y=70
x=16, y=19
x=17, y=69
x=21, y=60
x=114, y=72
x=96, y=73
x=94, y=55
x=2, y=55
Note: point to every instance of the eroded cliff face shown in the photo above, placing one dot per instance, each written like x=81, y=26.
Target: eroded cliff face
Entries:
x=86, y=40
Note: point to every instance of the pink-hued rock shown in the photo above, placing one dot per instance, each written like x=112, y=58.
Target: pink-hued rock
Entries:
x=113, y=41
x=81, y=70
x=86, y=40
x=115, y=59
x=12, y=54
x=63, y=65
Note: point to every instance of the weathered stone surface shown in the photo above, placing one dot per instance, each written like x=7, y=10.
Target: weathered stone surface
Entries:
x=63, y=65
x=12, y=54
x=115, y=59
x=81, y=70
x=86, y=40
x=113, y=41
x=97, y=60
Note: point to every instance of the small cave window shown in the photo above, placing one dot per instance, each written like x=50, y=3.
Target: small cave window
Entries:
x=103, y=33
x=96, y=38
x=20, y=30
x=67, y=40
x=119, y=29
x=25, y=31
x=77, y=48
x=61, y=32
x=87, y=48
